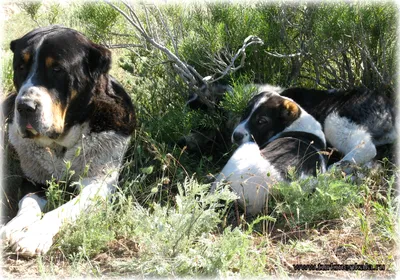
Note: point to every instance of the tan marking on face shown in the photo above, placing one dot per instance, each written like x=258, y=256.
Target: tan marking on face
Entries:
x=74, y=93
x=291, y=107
x=26, y=56
x=58, y=117
x=49, y=61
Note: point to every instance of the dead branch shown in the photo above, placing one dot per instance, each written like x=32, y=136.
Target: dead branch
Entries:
x=190, y=78
x=364, y=50
x=278, y=55
x=123, y=46
x=167, y=30
x=222, y=65
x=250, y=40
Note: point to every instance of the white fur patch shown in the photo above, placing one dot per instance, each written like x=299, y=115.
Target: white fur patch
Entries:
x=37, y=236
x=349, y=138
x=250, y=177
x=241, y=128
x=267, y=88
x=28, y=234
x=35, y=94
x=304, y=123
x=30, y=210
x=41, y=162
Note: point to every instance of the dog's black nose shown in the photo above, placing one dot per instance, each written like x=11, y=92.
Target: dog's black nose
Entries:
x=26, y=106
x=237, y=137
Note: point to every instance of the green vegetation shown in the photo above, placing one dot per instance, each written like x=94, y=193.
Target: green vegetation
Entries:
x=163, y=220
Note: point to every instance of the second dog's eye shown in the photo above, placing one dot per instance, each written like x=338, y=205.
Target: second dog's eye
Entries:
x=263, y=120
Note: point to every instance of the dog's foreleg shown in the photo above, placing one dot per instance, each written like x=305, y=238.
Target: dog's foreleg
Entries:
x=38, y=238
x=93, y=190
x=30, y=211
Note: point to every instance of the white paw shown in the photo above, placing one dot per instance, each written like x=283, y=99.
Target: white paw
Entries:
x=35, y=239
x=18, y=224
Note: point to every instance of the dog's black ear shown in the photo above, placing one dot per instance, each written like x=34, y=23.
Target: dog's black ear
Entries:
x=12, y=45
x=290, y=110
x=99, y=60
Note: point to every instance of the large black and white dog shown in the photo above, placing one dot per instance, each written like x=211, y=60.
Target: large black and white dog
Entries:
x=285, y=136
x=67, y=109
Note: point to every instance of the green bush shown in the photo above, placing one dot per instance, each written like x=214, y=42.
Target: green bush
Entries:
x=307, y=202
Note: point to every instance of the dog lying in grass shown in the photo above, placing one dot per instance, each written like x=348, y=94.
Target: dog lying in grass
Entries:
x=356, y=122
x=275, y=135
x=67, y=109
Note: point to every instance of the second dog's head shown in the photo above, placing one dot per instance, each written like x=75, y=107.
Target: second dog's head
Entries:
x=269, y=114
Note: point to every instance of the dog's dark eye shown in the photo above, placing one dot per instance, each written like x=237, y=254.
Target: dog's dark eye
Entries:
x=21, y=67
x=263, y=120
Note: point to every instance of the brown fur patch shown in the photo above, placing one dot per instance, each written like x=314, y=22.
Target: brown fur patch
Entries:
x=26, y=56
x=49, y=61
x=292, y=108
x=74, y=93
x=58, y=117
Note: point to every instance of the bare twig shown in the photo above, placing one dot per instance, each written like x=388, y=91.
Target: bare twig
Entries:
x=365, y=51
x=124, y=46
x=224, y=63
x=168, y=30
x=250, y=40
x=133, y=19
x=278, y=55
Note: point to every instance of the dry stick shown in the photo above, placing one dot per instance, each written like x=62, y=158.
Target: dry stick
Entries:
x=168, y=30
x=185, y=67
x=278, y=55
x=366, y=52
x=250, y=40
x=186, y=71
x=148, y=21
x=165, y=50
x=124, y=46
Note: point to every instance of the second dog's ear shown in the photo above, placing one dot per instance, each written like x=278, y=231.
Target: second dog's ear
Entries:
x=290, y=110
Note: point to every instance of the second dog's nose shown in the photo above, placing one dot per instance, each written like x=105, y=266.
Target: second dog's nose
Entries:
x=237, y=137
x=26, y=106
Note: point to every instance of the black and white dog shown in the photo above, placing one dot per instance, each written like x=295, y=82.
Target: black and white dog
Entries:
x=285, y=136
x=66, y=102
x=355, y=121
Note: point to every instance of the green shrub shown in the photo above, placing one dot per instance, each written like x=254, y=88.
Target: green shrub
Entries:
x=307, y=202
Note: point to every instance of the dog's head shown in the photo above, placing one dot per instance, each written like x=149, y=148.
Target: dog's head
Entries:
x=266, y=115
x=55, y=69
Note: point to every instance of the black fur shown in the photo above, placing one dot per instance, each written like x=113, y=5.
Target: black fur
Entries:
x=81, y=66
x=299, y=150
x=272, y=115
x=370, y=109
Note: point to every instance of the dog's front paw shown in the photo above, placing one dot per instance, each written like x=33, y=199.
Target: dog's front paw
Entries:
x=18, y=224
x=35, y=239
